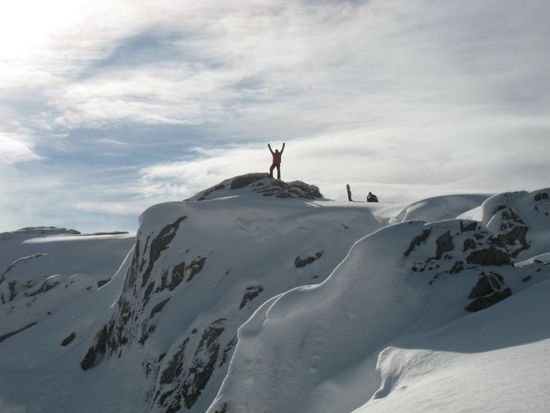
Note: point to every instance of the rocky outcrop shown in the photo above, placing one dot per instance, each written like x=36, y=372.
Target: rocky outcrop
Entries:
x=462, y=247
x=469, y=247
x=250, y=294
x=262, y=184
x=12, y=333
x=488, y=291
x=417, y=241
x=301, y=262
x=126, y=325
x=187, y=372
x=69, y=339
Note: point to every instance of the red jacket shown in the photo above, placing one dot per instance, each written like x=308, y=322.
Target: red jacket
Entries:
x=277, y=155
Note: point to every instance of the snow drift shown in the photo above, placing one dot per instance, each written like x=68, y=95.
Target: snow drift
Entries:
x=256, y=295
x=44, y=268
x=371, y=330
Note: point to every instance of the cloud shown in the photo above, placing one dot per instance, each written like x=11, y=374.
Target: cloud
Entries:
x=386, y=161
x=142, y=102
x=15, y=148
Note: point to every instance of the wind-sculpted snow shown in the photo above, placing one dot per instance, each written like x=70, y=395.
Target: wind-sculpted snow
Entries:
x=321, y=348
x=200, y=269
x=252, y=283
x=44, y=268
x=439, y=208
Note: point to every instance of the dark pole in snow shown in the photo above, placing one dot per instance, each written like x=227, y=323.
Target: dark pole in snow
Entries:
x=349, y=193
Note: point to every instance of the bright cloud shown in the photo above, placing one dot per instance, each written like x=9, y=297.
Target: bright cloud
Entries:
x=15, y=148
x=142, y=101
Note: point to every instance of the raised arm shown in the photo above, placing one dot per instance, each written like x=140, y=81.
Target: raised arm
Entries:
x=270, y=150
x=283, y=148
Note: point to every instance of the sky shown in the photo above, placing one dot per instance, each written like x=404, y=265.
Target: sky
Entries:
x=110, y=106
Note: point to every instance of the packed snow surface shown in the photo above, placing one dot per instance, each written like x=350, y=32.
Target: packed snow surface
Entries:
x=261, y=296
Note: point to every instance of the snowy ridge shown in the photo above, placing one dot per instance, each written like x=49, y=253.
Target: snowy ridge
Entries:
x=44, y=268
x=200, y=269
x=256, y=296
x=439, y=208
x=332, y=347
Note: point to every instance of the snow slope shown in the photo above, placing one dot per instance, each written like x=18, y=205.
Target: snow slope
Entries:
x=199, y=269
x=44, y=268
x=391, y=325
x=255, y=296
x=439, y=208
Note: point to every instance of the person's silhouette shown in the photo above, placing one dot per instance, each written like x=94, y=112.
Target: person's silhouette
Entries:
x=276, y=160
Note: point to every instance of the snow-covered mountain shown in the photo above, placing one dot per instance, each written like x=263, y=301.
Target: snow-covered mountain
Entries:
x=256, y=296
x=44, y=268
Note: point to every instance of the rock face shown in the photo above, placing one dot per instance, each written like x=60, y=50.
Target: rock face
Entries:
x=463, y=248
x=487, y=292
x=125, y=324
x=470, y=247
x=262, y=184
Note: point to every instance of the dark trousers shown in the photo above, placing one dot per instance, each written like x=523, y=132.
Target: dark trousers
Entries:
x=278, y=166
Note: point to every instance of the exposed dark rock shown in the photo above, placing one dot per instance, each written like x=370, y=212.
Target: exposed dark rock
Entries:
x=264, y=184
x=195, y=267
x=510, y=215
x=159, y=244
x=186, y=376
x=488, y=291
x=178, y=274
x=111, y=337
x=469, y=244
x=147, y=293
x=542, y=196
x=99, y=347
x=300, y=262
x=12, y=288
x=487, y=284
x=175, y=366
x=489, y=256
x=205, y=359
x=467, y=226
x=8, y=335
x=47, y=285
x=444, y=244
x=228, y=349
x=518, y=235
x=158, y=308
x=526, y=279
x=489, y=300
x=303, y=190
x=417, y=241
x=163, y=282
x=101, y=283
x=457, y=267
x=499, y=208
x=69, y=339
x=245, y=180
x=250, y=293
x=143, y=260
x=209, y=191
